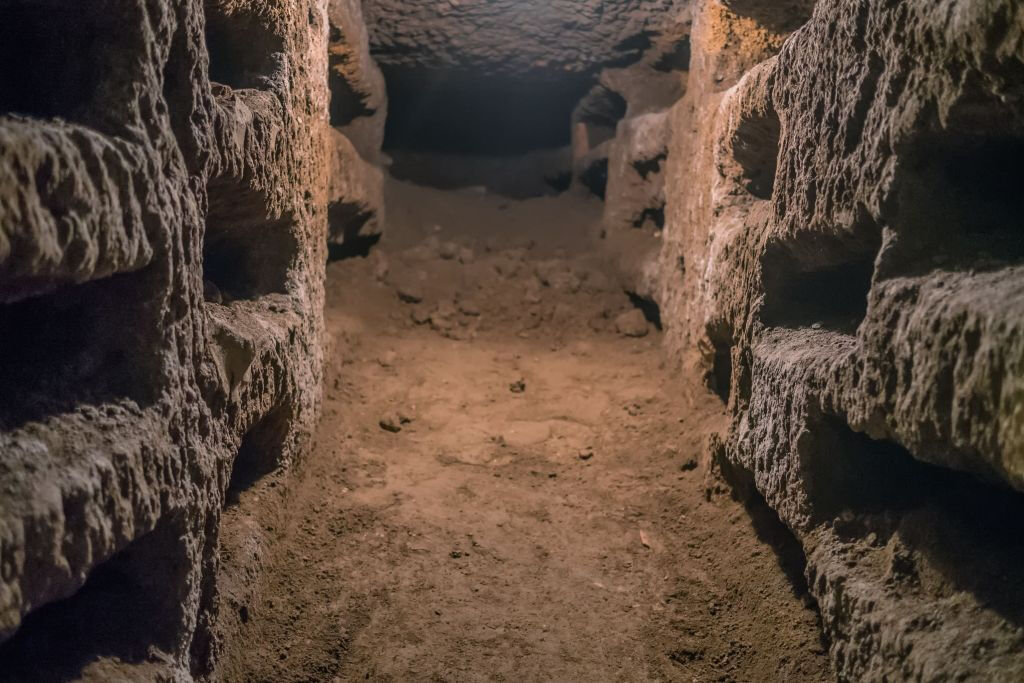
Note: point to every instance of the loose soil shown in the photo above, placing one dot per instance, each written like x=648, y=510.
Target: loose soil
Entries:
x=506, y=488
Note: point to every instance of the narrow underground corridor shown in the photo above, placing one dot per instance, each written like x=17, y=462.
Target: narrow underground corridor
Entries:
x=508, y=482
x=506, y=487
x=511, y=340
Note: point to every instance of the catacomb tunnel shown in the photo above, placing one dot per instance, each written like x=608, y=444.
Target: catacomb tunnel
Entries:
x=509, y=340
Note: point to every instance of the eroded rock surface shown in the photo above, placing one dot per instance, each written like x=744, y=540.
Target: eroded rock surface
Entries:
x=514, y=36
x=842, y=259
x=162, y=210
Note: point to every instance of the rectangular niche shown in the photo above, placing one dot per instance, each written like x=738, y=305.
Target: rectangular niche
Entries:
x=89, y=344
x=245, y=48
x=131, y=607
x=247, y=253
x=820, y=281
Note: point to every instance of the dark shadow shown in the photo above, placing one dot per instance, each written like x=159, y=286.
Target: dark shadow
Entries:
x=595, y=177
x=247, y=253
x=779, y=16
x=52, y=57
x=80, y=345
x=820, y=279
x=755, y=146
x=971, y=532
x=245, y=48
x=260, y=452
x=131, y=608
x=353, y=247
x=649, y=307
x=464, y=112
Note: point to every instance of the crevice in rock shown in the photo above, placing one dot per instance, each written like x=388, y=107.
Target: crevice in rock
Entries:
x=646, y=167
x=246, y=252
x=59, y=351
x=817, y=280
x=594, y=177
x=129, y=610
x=719, y=378
x=260, y=452
x=245, y=49
x=653, y=215
x=648, y=306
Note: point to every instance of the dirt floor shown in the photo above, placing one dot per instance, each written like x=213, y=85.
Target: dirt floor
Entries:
x=505, y=487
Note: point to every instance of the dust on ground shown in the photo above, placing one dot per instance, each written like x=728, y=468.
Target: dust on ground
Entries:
x=507, y=487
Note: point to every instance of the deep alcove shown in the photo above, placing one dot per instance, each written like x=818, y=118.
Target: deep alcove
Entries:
x=510, y=134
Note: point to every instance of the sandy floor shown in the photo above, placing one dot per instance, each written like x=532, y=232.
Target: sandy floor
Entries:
x=543, y=513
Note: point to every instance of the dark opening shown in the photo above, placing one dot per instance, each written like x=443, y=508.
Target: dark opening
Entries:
x=675, y=59
x=770, y=529
x=559, y=181
x=511, y=135
x=594, y=176
x=600, y=111
x=346, y=103
x=780, y=16
x=80, y=345
x=755, y=146
x=820, y=280
x=960, y=203
x=260, y=452
x=345, y=221
x=458, y=112
x=653, y=215
x=52, y=56
x=246, y=253
x=358, y=246
x=649, y=307
x=646, y=167
x=246, y=49
x=970, y=531
x=719, y=379
x=130, y=608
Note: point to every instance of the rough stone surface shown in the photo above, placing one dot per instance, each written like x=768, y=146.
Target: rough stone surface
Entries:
x=515, y=36
x=138, y=170
x=355, y=193
x=635, y=193
x=842, y=258
x=358, y=94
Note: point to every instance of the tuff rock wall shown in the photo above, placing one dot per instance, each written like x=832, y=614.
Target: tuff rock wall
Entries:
x=163, y=202
x=841, y=259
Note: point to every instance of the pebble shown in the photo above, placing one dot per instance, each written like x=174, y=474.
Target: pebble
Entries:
x=448, y=250
x=391, y=422
x=410, y=292
x=632, y=324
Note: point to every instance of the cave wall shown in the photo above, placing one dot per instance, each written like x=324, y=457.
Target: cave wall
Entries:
x=162, y=247
x=358, y=113
x=841, y=262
